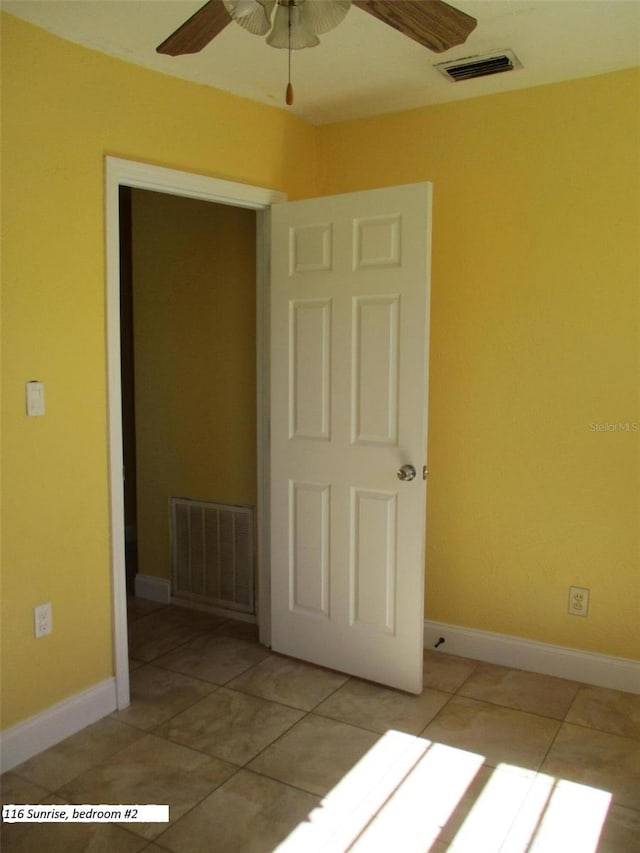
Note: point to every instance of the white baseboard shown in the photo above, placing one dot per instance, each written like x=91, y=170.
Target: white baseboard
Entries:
x=26, y=739
x=601, y=670
x=155, y=589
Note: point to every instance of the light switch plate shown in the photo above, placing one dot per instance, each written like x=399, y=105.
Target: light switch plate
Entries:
x=35, y=399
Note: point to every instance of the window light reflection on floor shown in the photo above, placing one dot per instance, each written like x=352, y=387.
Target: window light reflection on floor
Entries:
x=530, y=813
x=520, y=811
x=573, y=819
x=403, y=792
x=421, y=806
x=392, y=783
x=492, y=814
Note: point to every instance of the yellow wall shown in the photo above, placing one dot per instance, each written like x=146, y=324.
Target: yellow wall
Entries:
x=534, y=337
x=194, y=301
x=63, y=109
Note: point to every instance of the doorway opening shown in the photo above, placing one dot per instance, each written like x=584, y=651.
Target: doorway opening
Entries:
x=188, y=354
x=123, y=173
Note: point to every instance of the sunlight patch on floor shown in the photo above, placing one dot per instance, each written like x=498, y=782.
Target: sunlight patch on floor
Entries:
x=391, y=783
x=422, y=805
x=573, y=819
x=492, y=814
x=406, y=789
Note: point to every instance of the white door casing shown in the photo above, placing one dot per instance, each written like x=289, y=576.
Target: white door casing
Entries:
x=129, y=173
x=349, y=367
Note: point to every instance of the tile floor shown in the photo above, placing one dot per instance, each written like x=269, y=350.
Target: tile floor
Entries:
x=256, y=752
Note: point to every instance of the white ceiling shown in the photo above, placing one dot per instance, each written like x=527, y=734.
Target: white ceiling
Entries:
x=363, y=67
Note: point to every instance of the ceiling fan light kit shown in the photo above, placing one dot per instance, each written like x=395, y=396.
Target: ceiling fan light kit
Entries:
x=291, y=29
x=296, y=24
x=252, y=15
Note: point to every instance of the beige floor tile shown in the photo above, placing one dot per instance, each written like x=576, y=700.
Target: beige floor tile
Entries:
x=607, y=710
x=16, y=789
x=249, y=813
x=71, y=757
x=315, y=754
x=202, y=732
x=621, y=831
x=602, y=760
x=442, y=671
x=152, y=770
x=289, y=681
x=69, y=838
x=214, y=658
x=230, y=725
x=160, y=632
x=498, y=734
x=524, y=691
x=139, y=607
x=157, y=695
x=371, y=706
x=248, y=631
x=192, y=616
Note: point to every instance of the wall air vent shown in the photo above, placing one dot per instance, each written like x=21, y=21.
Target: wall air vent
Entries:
x=479, y=66
x=212, y=560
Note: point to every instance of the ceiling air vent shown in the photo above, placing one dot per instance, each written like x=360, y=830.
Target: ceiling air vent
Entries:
x=479, y=66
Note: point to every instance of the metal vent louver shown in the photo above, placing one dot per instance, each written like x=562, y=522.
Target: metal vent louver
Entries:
x=479, y=66
x=212, y=553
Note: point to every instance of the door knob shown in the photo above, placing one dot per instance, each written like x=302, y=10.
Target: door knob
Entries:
x=407, y=472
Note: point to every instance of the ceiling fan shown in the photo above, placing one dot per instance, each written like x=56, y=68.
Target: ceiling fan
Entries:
x=296, y=24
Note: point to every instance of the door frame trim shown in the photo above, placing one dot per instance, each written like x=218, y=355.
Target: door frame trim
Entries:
x=130, y=173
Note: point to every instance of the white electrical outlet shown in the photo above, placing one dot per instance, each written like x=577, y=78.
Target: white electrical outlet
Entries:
x=578, y=601
x=42, y=618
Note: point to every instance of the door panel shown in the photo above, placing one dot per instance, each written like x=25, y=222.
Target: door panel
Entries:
x=309, y=513
x=349, y=341
x=374, y=378
x=309, y=406
x=373, y=560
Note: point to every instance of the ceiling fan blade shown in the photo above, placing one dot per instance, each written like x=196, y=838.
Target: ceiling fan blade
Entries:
x=432, y=23
x=197, y=31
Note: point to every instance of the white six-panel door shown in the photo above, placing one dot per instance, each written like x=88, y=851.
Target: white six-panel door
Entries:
x=349, y=350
